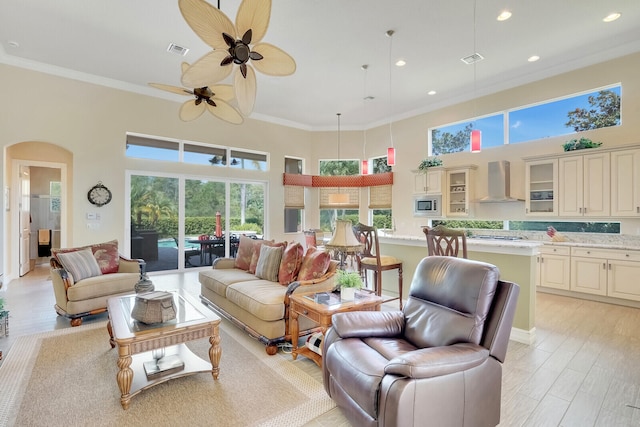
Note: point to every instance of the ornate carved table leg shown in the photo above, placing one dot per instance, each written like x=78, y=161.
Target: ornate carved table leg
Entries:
x=124, y=377
x=294, y=329
x=215, y=352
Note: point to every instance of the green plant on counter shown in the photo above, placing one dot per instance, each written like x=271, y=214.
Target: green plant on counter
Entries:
x=580, y=144
x=429, y=162
x=349, y=279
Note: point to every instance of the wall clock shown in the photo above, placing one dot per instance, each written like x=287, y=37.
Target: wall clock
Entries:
x=99, y=195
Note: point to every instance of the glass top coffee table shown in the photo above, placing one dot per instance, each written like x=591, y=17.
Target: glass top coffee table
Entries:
x=142, y=347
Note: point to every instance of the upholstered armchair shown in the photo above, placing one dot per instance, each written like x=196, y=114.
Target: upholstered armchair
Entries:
x=437, y=362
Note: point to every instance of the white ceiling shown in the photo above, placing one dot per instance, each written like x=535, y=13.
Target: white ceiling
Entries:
x=123, y=43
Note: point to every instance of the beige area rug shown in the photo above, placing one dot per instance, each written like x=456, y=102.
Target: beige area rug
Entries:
x=68, y=378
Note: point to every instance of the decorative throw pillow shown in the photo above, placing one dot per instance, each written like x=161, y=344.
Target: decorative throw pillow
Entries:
x=107, y=256
x=269, y=262
x=81, y=264
x=256, y=252
x=245, y=251
x=291, y=262
x=314, y=265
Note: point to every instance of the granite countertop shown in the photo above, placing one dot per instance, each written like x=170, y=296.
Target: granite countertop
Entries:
x=522, y=243
x=595, y=245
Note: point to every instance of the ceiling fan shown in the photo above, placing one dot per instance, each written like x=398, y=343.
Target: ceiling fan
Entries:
x=214, y=99
x=234, y=44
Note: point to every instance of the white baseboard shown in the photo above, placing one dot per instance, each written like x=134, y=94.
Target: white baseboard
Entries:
x=522, y=336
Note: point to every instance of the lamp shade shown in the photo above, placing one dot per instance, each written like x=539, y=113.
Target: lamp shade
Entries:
x=476, y=141
x=343, y=237
x=365, y=167
x=391, y=156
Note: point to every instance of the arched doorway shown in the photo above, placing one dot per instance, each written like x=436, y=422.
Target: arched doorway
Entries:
x=44, y=203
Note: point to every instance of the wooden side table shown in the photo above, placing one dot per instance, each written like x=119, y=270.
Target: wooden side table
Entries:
x=306, y=305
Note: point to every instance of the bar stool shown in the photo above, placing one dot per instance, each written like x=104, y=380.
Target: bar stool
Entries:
x=445, y=241
x=371, y=260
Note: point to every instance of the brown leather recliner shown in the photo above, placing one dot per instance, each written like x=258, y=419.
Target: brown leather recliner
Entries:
x=437, y=362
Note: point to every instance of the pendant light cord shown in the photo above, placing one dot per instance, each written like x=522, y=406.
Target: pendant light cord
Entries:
x=365, y=67
x=390, y=35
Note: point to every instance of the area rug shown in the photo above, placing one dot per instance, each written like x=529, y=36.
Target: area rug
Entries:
x=67, y=377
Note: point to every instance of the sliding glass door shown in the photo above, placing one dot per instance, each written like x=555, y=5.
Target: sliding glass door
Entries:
x=180, y=222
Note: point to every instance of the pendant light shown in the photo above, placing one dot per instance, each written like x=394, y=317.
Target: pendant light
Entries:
x=476, y=134
x=391, y=151
x=338, y=198
x=365, y=162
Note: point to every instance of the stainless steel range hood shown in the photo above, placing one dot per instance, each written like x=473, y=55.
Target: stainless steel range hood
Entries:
x=499, y=183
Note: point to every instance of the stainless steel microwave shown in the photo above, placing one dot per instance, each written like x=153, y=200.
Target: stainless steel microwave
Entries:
x=427, y=205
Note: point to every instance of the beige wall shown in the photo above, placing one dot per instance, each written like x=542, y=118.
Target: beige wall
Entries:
x=90, y=122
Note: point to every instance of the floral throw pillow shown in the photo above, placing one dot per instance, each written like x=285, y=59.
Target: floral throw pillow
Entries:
x=290, y=264
x=314, y=265
x=107, y=256
x=245, y=252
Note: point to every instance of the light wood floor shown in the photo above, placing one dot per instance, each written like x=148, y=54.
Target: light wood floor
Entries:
x=583, y=370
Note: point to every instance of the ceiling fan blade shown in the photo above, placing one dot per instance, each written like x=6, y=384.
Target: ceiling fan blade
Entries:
x=245, y=90
x=254, y=15
x=190, y=111
x=207, y=22
x=207, y=70
x=225, y=112
x=172, y=89
x=275, y=61
x=223, y=92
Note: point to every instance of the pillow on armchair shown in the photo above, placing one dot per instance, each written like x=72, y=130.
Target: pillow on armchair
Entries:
x=80, y=264
x=106, y=255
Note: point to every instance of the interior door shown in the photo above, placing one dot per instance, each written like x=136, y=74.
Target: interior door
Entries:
x=24, y=219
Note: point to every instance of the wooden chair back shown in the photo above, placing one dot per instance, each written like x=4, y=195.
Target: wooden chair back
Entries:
x=445, y=241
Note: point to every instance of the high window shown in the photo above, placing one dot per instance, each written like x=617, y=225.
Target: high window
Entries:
x=563, y=116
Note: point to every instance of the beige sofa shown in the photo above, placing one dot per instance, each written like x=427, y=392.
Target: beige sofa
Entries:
x=76, y=299
x=260, y=307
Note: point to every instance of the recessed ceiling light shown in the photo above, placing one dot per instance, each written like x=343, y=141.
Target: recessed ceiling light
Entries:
x=611, y=17
x=369, y=98
x=13, y=44
x=504, y=15
x=401, y=62
x=533, y=58
x=431, y=92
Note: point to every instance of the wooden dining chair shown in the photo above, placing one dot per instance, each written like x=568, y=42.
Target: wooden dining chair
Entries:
x=370, y=259
x=445, y=241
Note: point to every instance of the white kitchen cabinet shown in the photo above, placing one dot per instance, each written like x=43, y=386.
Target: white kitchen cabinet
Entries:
x=429, y=182
x=584, y=185
x=555, y=267
x=609, y=272
x=541, y=181
x=459, y=191
x=625, y=183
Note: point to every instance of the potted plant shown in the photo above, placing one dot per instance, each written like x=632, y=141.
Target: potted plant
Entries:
x=429, y=162
x=580, y=144
x=348, y=282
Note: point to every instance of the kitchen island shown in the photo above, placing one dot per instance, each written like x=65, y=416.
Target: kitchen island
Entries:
x=516, y=260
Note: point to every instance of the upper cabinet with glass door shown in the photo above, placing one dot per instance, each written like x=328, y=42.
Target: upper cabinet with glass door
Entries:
x=541, y=180
x=459, y=191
